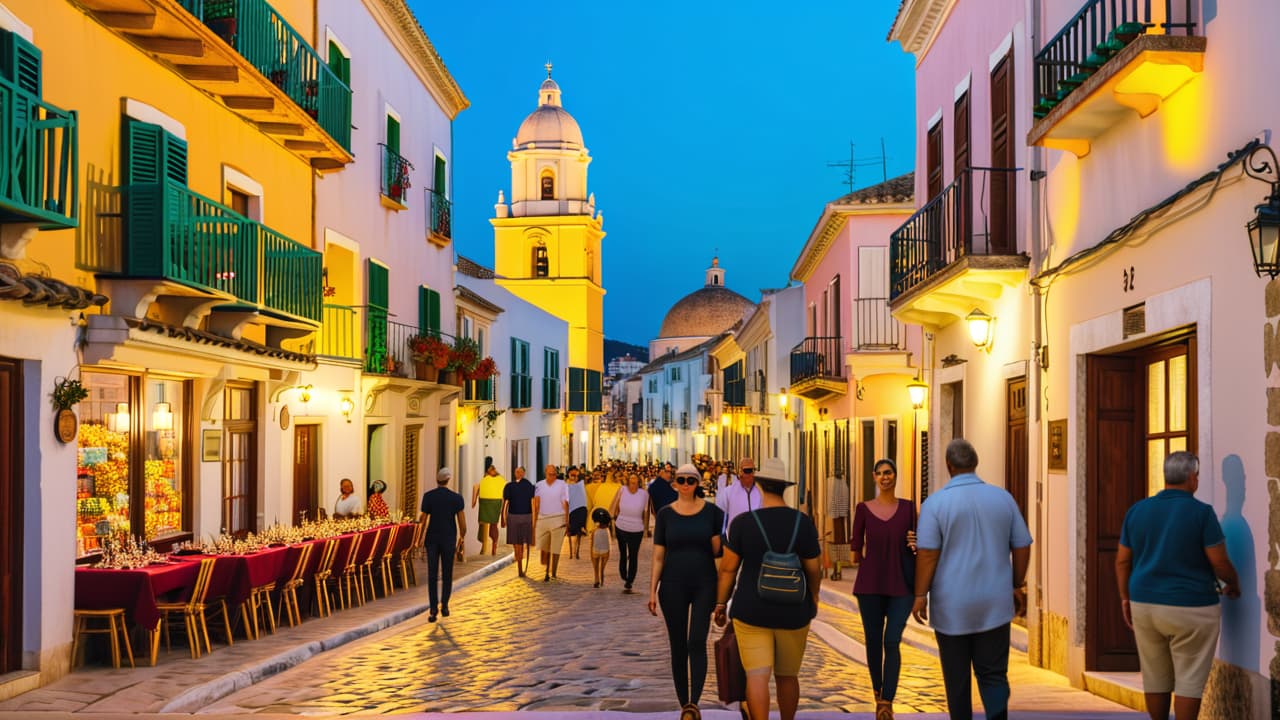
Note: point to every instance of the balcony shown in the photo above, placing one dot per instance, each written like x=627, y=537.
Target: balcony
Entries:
x=875, y=327
x=1112, y=58
x=216, y=261
x=244, y=53
x=395, y=178
x=339, y=338
x=817, y=368
x=441, y=218
x=957, y=252
x=39, y=150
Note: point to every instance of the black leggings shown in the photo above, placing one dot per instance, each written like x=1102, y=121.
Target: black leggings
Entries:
x=628, y=554
x=686, y=608
x=440, y=567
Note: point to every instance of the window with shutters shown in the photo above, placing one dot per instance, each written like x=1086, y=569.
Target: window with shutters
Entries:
x=428, y=311
x=550, y=379
x=735, y=385
x=521, y=379
x=1003, y=150
x=410, y=470
x=584, y=390
x=933, y=160
x=152, y=155
x=376, y=284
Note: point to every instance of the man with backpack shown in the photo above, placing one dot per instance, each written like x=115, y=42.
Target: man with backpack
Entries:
x=776, y=594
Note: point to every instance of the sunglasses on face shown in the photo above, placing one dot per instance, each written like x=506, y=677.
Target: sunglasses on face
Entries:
x=748, y=471
x=682, y=480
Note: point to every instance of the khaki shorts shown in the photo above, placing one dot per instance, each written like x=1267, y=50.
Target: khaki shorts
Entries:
x=551, y=534
x=764, y=648
x=1175, y=646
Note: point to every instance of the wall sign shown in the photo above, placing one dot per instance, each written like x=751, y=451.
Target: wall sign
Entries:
x=1058, y=444
x=211, y=445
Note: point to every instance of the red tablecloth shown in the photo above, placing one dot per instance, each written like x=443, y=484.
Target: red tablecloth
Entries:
x=235, y=576
x=134, y=590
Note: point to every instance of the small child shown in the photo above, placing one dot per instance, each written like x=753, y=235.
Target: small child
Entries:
x=600, y=544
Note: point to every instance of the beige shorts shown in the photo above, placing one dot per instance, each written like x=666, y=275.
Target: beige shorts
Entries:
x=1175, y=646
x=764, y=648
x=551, y=534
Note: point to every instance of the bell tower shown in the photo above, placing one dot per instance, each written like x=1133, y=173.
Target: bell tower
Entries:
x=547, y=240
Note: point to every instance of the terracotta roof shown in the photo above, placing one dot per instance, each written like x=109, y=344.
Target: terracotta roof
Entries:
x=471, y=268
x=704, y=312
x=467, y=294
x=40, y=289
x=894, y=190
x=207, y=338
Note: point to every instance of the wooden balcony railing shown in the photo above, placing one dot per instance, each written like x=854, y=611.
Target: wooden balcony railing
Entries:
x=395, y=175
x=258, y=32
x=339, y=336
x=39, y=150
x=876, y=328
x=441, y=215
x=1095, y=34
x=944, y=230
x=817, y=357
x=174, y=233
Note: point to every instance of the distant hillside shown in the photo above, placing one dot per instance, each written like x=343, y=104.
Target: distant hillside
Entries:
x=617, y=348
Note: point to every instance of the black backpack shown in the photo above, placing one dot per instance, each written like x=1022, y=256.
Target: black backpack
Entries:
x=782, y=579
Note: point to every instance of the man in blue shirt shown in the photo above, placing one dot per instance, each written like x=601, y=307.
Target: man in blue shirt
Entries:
x=443, y=512
x=1171, y=552
x=967, y=532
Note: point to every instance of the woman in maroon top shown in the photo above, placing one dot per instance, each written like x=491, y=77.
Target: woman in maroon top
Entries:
x=883, y=545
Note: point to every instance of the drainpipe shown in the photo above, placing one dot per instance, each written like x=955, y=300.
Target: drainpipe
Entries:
x=1039, y=351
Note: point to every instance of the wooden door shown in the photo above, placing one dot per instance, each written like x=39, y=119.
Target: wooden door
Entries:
x=306, y=472
x=11, y=510
x=1003, y=240
x=1015, y=445
x=960, y=167
x=868, y=442
x=1116, y=480
x=933, y=160
x=240, y=459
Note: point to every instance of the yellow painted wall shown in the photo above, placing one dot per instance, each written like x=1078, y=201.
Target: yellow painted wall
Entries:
x=90, y=69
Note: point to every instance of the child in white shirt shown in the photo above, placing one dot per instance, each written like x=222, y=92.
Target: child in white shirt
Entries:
x=600, y=544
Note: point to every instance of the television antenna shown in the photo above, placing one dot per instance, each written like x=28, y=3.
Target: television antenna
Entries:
x=851, y=165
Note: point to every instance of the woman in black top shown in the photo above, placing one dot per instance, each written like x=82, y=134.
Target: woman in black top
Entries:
x=686, y=540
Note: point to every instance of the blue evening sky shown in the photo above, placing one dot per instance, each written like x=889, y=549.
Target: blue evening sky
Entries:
x=710, y=125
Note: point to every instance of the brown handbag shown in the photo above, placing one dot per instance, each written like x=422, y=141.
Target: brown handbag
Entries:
x=731, y=679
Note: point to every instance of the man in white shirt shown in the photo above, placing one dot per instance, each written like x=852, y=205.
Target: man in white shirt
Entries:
x=550, y=518
x=740, y=496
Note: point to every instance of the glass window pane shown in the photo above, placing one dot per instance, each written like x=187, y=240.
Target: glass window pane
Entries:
x=1155, y=466
x=1177, y=443
x=1155, y=397
x=1178, y=393
x=164, y=461
x=102, y=473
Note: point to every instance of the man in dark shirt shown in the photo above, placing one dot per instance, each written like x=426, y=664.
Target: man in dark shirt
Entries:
x=661, y=494
x=517, y=518
x=443, y=512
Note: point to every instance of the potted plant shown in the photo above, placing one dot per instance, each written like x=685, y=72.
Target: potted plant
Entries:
x=430, y=356
x=66, y=394
x=463, y=359
x=399, y=181
x=484, y=370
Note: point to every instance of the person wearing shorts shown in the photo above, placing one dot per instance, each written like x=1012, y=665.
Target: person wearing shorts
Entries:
x=577, y=512
x=517, y=518
x=488, y=494
x=1171, y=556
x=550, y=518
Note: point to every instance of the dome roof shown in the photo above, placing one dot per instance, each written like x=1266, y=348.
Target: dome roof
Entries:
x=550, y=126
x=706, y=312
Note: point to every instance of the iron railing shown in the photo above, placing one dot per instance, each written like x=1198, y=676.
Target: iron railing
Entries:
x=877, y=328
x=441, y=215
x=971, y=216
x=395, y=174
x=386, y=344
x=39, y=149
x=262, y=36
x=174, y=233
x=817, y=357
x=1094, y=35
x=339, y=335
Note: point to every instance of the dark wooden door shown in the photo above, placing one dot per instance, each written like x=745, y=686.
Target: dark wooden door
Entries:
x=1015, y=441
x=964, y=211
x=306, y=468
x=1116, y=480
x=11, y=511
x=933, y=160
x=1003, y=240
x=868, y=442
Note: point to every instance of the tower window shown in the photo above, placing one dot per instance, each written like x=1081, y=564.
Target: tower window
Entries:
x=548, y=187
x=541, y=266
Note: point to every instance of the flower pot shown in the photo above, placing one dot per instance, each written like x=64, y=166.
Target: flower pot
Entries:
x=449, y=377
x=424, y=370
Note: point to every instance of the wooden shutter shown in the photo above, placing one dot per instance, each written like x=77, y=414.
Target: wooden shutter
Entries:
x=152, y=154
x=440, y=179
x=961, y=129
x=428, y=311
x=594, y=403
x=1003, y=190
x=20, y=62
x=339, y=63
x=393, y=134
x=577, y=386
x=377, y=283
x=933, y=158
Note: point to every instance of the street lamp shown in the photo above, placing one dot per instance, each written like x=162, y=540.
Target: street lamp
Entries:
x=784, y=404
x=980, y=328
x=917, y=390
x=1264, y=228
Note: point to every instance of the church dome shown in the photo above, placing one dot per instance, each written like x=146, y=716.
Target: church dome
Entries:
x=550, y=126
x=704, y=313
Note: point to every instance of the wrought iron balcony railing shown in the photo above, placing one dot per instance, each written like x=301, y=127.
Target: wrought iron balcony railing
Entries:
x=395, y=175
x=1095, y=34
x=260, y=34
x=386, y=344
x=339, y=336
x=974, y=215
x=817, y=357
x=39, y=151
x=441, y=215
x=179, y=235
x=876, y=328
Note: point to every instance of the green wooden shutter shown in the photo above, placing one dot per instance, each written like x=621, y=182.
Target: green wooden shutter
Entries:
x=577, y=383
x=393, y=135
x=20, y=62
x=441, y=182
x=515, y=376
x=428, y=311
x=593, y=400
x=376, y=351
x=152, y=154
x=377, y=285
x=339, y=63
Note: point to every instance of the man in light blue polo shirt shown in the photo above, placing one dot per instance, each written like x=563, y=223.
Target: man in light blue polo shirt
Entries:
x=967, y=532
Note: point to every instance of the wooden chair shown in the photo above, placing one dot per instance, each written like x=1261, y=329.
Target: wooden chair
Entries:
x=366, y=565
x=383, y=561
x=111, y=615
x=351, y=576
x=261, y=609
x=192, y=611
x=408, y=575
x=289, y=593
x=320, y=580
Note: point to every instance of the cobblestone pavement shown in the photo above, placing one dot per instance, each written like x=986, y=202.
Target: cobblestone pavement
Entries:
x=522, y=644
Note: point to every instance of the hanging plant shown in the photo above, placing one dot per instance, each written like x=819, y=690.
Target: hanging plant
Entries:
x=67, y=393
x=490, y=417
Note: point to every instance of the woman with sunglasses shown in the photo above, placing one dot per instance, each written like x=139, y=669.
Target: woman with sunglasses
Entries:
x=686, y=541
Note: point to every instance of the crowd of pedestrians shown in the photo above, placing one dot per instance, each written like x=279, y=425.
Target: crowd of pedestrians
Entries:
x=728, y=549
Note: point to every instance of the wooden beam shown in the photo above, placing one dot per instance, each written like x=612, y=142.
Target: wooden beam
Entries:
x=214, y=73
x=277, y=128
x=185, y=47
x=249, y=102
x=305, y=145
x=323, y=164
x=126, y=20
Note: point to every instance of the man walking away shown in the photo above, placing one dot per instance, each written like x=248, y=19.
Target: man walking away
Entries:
x=444, y=512
x=966, y=534
x=1171, y=552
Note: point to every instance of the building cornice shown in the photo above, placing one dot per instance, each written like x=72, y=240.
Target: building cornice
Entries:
x=757, y=328
x=408, y=37
x=830, y=223
x=918, y=23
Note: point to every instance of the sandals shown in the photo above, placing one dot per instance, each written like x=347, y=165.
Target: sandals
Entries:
x=690, y=712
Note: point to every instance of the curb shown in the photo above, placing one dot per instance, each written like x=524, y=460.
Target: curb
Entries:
x=915, y=635
x=199, y=696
